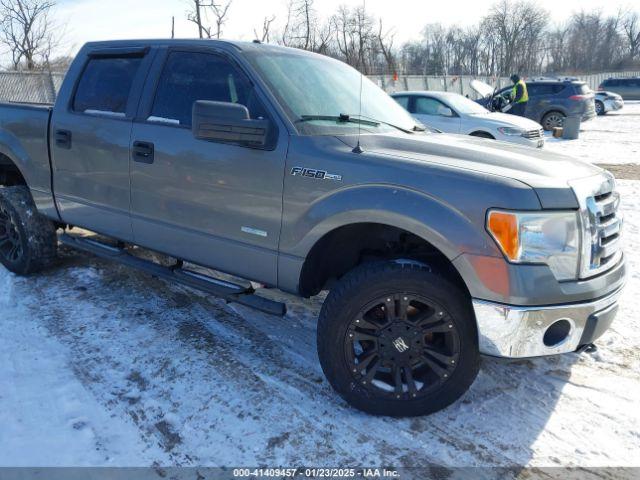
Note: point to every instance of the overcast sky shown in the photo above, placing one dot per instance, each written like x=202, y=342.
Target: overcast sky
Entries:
x=87, y=20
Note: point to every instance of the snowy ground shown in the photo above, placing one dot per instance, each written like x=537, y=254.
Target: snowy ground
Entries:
x=102, y=365
x=611, y=139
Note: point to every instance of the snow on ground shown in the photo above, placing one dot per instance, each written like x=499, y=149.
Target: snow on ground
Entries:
x=103, y=365
x=612, y=139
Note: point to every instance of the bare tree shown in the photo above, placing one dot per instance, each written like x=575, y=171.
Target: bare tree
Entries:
x=631, y=28
x=519, y=25
x=200, y=12
x=301, y=26
x=385, y=41
x=27, y=31
x=266, y=29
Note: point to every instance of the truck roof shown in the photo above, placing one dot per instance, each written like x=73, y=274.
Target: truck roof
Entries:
x=226, y=44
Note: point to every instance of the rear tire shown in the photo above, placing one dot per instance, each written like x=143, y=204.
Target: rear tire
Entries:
x=552, y=120
x=28, y=241
x=397, y=339
x=600, y=110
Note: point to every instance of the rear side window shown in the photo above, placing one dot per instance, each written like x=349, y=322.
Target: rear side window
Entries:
x=545, y=89
x=105, y=85
x=191, y=76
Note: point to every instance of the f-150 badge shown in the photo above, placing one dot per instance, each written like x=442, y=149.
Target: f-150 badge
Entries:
x=314, y=173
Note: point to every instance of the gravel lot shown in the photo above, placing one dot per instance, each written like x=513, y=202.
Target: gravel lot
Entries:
x=102, y=365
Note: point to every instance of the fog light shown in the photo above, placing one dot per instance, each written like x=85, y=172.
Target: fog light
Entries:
x=557, y=333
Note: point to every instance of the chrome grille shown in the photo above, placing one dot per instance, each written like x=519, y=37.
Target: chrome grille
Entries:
x=601, y=224
x=533, y=134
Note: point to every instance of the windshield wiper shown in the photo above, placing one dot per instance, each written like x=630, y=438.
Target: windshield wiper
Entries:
x=342, y=118
x=363, y=120
x=415, y=128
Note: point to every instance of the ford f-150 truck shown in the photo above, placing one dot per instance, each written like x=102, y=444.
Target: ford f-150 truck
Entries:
x=291, y=170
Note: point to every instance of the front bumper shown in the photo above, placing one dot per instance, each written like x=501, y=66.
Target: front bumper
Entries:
x=515, y=332
x=520, y=140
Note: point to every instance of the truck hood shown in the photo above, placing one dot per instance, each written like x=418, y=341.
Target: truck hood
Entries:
x=548, y=173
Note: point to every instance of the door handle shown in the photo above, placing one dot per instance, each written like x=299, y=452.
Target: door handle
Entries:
x=142, y=152
x=63, y=139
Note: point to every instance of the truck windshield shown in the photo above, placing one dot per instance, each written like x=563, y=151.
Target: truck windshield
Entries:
x=321, y=95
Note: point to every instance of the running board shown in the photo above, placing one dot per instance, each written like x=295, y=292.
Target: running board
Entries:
x=231, y=292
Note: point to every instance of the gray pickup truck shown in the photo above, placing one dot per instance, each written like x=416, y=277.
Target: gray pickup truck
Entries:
x=291, y=170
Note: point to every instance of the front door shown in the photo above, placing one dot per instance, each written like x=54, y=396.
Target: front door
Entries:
x=211, y=203
x=436, y=114
x=90, y=143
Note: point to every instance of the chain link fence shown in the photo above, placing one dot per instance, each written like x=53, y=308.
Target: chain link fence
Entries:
x=462, y=83
x=43, y=87
x=30, y=87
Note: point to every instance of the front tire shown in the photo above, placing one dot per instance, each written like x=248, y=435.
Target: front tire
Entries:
x=28, y=240
x=397, y=339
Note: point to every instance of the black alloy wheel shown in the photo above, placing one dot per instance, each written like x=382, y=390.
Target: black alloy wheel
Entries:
x=10, y=240
x=402, y=346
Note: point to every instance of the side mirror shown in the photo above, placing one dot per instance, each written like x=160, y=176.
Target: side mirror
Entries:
x=445, y=111
x=227, y=122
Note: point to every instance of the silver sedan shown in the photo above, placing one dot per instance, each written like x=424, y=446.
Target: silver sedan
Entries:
x=453, y=113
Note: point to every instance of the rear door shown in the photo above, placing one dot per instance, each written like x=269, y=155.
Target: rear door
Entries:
x=212, y=203
x=90, y=132
x=431, y=111
x=623, y=88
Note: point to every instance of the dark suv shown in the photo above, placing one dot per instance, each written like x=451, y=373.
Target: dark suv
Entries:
x=627, y=88
x=550, y=101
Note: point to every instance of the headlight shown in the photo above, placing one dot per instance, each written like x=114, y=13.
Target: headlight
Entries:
x=510, y=131
x=551, y=238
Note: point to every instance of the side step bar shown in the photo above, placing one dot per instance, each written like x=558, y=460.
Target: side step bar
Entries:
x=226, y=290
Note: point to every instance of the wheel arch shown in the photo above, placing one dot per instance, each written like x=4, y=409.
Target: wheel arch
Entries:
x=367, y=222
x=555, y=109
x=482, y=134
x=10, y=172
x=347, y=246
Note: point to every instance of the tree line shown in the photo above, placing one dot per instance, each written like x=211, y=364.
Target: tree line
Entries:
x=513, y=36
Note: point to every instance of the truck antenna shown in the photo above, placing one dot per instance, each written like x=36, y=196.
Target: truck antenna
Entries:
x=357, y=148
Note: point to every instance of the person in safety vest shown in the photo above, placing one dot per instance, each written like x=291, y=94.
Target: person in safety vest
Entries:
x=519, y=97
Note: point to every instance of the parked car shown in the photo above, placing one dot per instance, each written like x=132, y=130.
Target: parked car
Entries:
x=261, y=161
x=550, y=101
x=453, y=113
x=608, y=102
x=627, y=88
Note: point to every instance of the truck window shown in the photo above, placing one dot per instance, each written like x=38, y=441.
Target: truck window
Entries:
x=191, y=76
x=105, y=85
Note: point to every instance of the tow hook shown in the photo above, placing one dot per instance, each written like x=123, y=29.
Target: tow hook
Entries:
x=587, y=348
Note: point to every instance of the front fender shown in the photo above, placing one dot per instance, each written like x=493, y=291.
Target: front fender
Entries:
x=446, y=228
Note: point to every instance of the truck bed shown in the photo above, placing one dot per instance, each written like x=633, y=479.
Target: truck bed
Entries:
x=24, y=137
